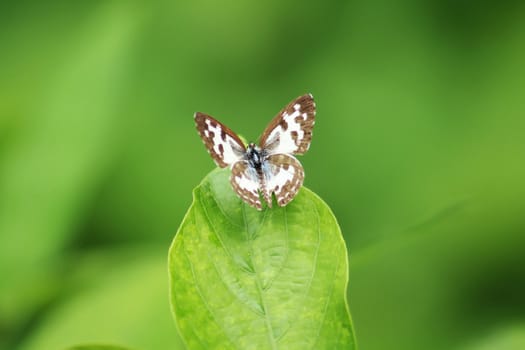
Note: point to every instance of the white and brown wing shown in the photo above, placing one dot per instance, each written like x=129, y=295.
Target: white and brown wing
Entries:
x=224, y=146
x=246, y=183
x=283, y=176
x=291, y=130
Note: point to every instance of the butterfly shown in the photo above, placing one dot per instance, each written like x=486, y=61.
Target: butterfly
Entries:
x=269, y=167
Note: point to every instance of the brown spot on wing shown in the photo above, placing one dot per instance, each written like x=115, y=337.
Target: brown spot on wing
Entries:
x=283, y=124
x=295, y=135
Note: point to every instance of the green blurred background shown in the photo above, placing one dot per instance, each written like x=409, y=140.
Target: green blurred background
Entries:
x=419, y=149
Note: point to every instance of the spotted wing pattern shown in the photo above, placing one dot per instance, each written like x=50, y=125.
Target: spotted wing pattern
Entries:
x=283, y=176
x=270, y=169
x=224, y=145
x=246, y=183
x=291, y=130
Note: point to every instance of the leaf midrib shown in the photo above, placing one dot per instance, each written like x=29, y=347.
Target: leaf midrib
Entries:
x=228, y=253
x=271, y=335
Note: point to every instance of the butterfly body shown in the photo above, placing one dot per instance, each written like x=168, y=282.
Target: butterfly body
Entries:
x=270, y=167
x=255, y=156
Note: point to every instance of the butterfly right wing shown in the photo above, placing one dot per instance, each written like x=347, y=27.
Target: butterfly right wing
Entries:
x=290, y=132
x=224, y=146
x=283, y=176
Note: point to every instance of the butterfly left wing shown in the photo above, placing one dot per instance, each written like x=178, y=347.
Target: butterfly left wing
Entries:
x=224, y=146
x=246, y=184
x=283, y=176
x=291, y=130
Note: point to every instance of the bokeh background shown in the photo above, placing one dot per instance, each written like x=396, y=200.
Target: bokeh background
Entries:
x=419, y=149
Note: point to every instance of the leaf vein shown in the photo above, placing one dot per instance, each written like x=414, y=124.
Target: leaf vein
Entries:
x=221, y=209
x=314, y=269
x=208, y=219
x=204, y=301
x=236, y=296
x=271, y=335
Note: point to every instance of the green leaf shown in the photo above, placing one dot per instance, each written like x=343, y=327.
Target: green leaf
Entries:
x=97, y=347
x=509, y=337
x=84, y=133
x=125, y=304
x=274, y=279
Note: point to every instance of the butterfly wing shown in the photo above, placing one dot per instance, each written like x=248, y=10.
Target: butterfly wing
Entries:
x=224, y=146
x=283, y=175
x=291, y=130
x=246, y=183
